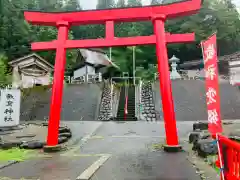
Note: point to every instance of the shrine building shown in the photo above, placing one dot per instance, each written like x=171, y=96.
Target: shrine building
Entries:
x=30, y=70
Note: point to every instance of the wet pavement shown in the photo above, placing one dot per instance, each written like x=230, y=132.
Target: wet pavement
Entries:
x=52, y=168
x=134, y=154
x=147, y=166
x=133, y=149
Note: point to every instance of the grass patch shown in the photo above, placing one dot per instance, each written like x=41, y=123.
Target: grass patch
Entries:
x=216, y=169
x=15, y=154
x=211, y=159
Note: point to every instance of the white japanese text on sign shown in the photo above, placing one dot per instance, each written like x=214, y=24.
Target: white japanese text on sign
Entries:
x=211, y=95
x=211, y=72
x=9, y=107
x=213, y=116
x=209, y=48
x=209, y=52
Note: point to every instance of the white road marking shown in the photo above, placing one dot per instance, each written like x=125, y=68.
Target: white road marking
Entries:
x=88, y=173
x=135, y=136
x=160, y=137
x=83, y=140
x=83, y=155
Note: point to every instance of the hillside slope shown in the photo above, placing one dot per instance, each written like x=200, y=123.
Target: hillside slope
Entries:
x=80, y=102
x=190, y=100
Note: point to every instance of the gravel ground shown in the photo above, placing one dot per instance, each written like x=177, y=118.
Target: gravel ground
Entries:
x=26, y=133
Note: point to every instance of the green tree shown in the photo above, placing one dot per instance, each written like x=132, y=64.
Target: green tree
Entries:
x=104, y=4
x=72, y=5
x=4, y=75
x=214, y=16
x=52, y=6
x=169, y=1
x=121, y=3
x=156, y=2
x=132, y=3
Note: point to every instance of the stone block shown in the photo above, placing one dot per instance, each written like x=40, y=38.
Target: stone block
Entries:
x=172, y=149
x=64, y=130
x=193, y=137
x=206, y=147
x=67, y=135
x=52, y=149
x=9, y=144
x=33, y=145
x=62, y=140
x=200, y=126
x=198, y=135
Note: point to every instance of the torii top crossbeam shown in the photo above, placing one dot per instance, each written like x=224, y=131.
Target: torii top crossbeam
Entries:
x=173, y=10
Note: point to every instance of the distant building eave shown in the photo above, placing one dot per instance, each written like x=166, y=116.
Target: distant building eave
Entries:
x=83, y=62
x=13, y=62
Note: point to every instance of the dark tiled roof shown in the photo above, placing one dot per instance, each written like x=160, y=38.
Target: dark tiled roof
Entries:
x=231, y=57
x=97, y=50
x=29, y=56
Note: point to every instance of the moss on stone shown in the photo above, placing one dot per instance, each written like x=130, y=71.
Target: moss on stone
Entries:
x=32, y=99
x=157, y=147
x=39, y=89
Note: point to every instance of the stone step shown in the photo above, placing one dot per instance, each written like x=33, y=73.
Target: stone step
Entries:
x=131, y=105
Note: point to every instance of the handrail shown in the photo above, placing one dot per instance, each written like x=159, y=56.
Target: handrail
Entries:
x=230, y=153
x=229, y=142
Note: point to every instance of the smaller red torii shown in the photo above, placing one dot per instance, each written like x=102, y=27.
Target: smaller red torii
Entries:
x=158, y=15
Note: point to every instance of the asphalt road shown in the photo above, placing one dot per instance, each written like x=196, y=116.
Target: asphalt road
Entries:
x=130, y=148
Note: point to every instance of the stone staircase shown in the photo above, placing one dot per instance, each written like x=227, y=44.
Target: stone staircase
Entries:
x=131, y=105
x=120, y=113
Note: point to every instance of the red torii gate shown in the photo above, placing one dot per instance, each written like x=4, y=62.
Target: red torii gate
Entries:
x=158, y=14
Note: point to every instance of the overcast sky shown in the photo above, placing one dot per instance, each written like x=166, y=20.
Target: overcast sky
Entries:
x=91, y=4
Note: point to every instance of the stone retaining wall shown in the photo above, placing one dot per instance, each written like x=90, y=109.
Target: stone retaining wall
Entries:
x=148, y=112
x=106, y=112
x=32, y=99
x=79, y=103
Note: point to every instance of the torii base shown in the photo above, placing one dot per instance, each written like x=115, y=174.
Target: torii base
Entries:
x=172, y=149
x=52, y=149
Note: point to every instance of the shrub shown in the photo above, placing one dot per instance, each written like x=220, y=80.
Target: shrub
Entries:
x=5, y=77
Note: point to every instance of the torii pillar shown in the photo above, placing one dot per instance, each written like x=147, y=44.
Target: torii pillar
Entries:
x=172, y=143
x=58, y=78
